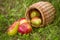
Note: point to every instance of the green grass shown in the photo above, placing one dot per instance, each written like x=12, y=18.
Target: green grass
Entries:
x=12, y=10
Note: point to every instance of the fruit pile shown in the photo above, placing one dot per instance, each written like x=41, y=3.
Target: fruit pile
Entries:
x=23, y=26
x=35, y=18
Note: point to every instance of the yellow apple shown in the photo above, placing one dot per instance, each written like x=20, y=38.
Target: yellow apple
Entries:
x=36, y=21
x=12, y=30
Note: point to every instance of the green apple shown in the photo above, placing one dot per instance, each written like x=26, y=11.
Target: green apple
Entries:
x=36, y=21
x=12, y=30
x=34, y=14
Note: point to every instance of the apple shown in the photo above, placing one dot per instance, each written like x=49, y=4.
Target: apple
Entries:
x=13, y=29
x=36, y=21
x=25, y=28
x=23, y=20
x=34, y=14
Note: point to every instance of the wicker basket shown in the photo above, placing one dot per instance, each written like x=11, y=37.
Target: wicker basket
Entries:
x=46, y=10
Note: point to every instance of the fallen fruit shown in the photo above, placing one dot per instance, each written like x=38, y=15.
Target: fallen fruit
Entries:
x=36, y=21
x=34, y=14
x=23, y=20
x=24, y=28
x=13, y=29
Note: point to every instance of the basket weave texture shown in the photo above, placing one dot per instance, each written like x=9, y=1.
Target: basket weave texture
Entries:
x=46, y=10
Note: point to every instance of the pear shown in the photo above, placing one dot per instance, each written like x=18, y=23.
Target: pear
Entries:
x=12, y=30
x=34, y=14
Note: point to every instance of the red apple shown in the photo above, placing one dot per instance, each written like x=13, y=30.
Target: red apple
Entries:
x=23, y=20
x=36, y=21
x=13, y=29
x=25, y=28
x=34, y=14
